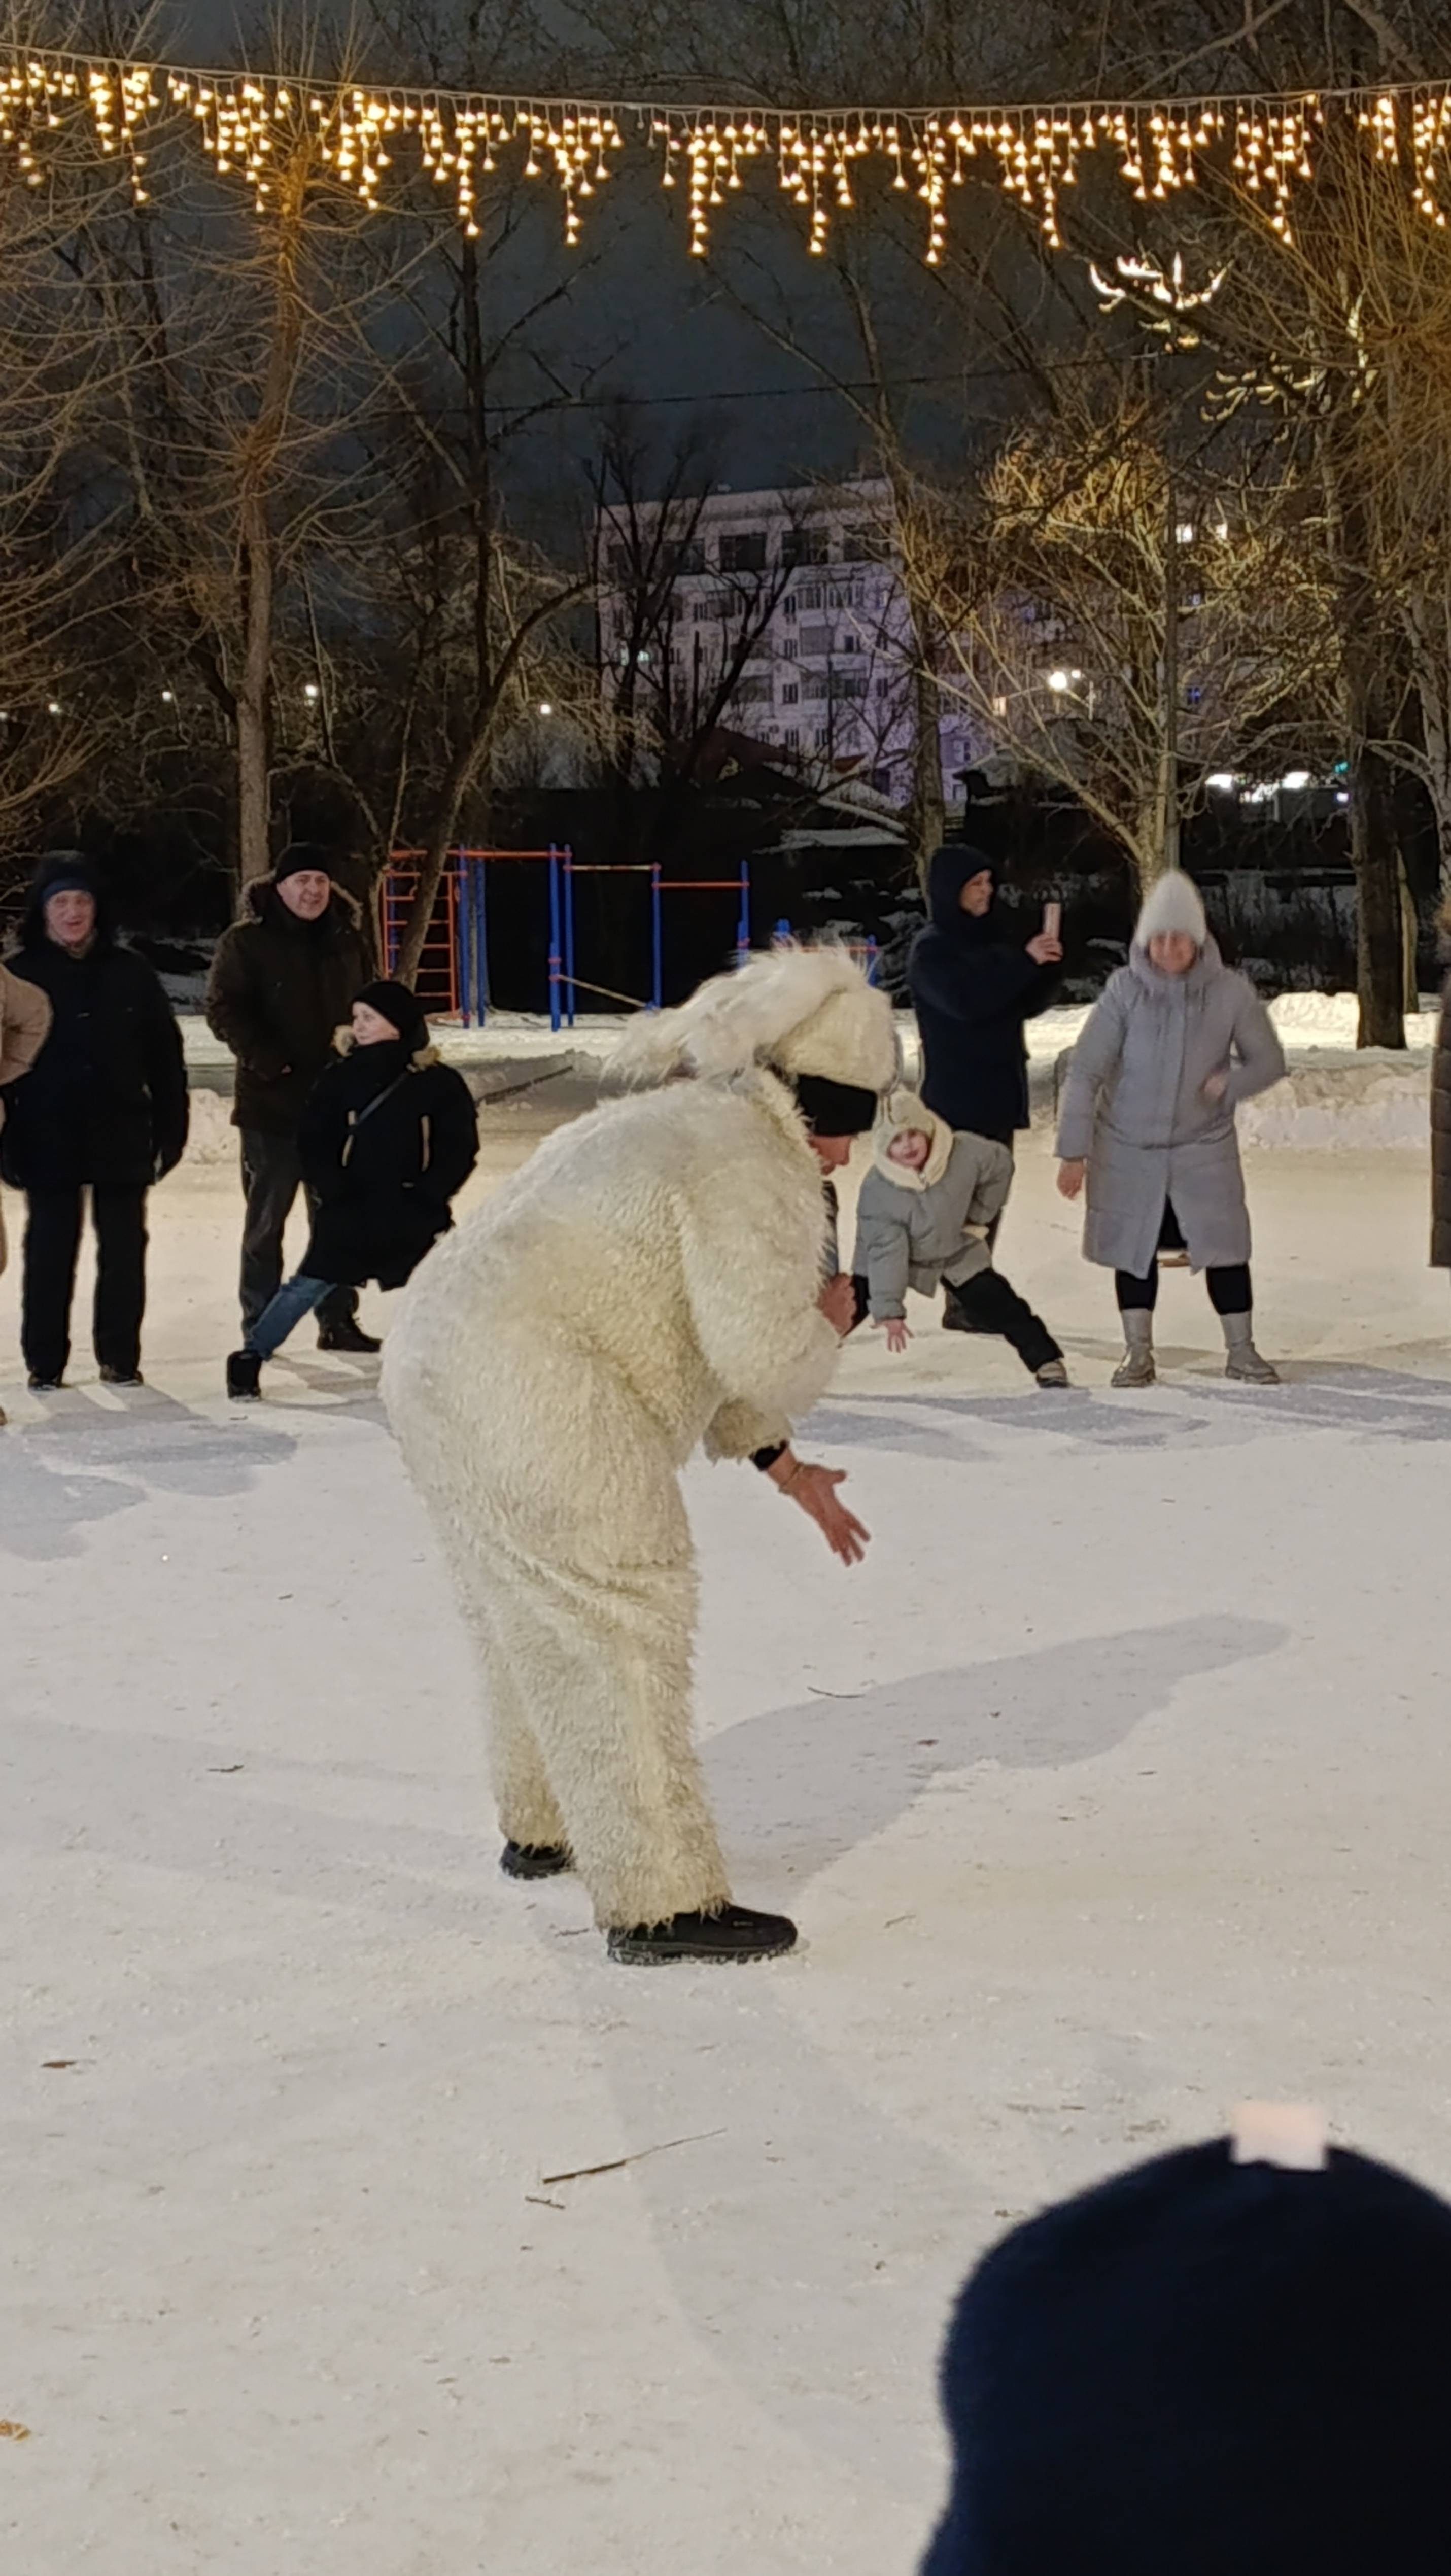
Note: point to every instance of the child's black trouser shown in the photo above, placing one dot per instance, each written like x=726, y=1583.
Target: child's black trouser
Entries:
x=991, y=1304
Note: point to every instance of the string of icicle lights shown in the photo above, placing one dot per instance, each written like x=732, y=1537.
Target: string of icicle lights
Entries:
x=246, y=123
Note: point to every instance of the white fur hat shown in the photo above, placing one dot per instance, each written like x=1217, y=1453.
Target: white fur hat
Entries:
x=1172, y=903
x=804, y=1010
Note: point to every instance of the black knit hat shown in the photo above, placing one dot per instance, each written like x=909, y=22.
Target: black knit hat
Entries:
x=300, y=855
x=1205, y=2366
x=65, y=872
x=400, y=1008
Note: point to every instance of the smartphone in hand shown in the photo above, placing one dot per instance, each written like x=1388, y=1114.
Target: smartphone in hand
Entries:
x=1052, y=920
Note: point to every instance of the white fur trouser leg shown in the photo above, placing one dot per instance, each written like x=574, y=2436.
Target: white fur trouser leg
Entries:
x=601, y=1658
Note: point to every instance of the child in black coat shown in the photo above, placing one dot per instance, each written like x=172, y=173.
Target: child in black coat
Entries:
x=388, y=1137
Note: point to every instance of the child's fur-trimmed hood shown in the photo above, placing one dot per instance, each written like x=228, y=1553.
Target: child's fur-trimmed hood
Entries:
x=903, y=1111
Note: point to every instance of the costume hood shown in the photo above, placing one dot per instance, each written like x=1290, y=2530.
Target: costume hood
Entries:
x=797, y=1011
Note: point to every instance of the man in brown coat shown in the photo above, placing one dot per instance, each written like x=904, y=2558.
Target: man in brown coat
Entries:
x=282, y=982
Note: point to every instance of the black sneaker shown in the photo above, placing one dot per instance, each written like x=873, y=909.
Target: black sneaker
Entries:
x=534, y=1860
x=121, y=1377
x=44, y=1385
x=244, y=1377
x=732, y=1933
x=348, y=1336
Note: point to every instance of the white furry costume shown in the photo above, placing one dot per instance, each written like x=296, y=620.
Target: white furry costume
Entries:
x=647, y=1281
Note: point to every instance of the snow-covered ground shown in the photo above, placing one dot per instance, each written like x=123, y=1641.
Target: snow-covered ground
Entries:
x=1112, y=1788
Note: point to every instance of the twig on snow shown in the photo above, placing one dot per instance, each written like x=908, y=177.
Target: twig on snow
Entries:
x=581, y=2173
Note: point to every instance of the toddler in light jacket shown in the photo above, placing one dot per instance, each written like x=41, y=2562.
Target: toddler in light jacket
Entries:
x=923, y=1220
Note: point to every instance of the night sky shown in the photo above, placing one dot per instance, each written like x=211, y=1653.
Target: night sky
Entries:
x=662, y=331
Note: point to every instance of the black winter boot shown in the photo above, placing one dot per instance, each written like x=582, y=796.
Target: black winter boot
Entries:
x=244, y=1377
x=346, y=1336
x=534, y=1860
x=732, y=1933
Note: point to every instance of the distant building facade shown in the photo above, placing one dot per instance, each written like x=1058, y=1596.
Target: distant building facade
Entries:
x=780, y=615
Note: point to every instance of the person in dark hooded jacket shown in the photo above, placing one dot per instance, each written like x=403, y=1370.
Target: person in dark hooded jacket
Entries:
x=388, y=1137
x=972, y=989
x=104, y=1109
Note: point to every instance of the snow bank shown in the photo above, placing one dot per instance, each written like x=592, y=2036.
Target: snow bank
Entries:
x=1334, y=1098
x=213, y=1138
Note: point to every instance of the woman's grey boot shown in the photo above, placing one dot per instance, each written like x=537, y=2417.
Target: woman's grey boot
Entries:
x=1244, y=1361
x=1137, y=1366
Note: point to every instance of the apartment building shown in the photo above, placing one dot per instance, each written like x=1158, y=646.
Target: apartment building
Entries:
x=777, y=614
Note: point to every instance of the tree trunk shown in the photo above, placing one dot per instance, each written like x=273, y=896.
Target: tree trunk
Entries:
x=927, y=817
x=1375, y=856
x=1374, y=846
x=451, y=795
x=1410, y=936
x=253, y=770
x=256, y=563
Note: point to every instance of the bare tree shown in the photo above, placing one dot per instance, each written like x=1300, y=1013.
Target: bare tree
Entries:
x=1122, y=624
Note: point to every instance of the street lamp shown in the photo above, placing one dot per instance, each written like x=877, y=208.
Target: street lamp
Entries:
x=311, y=692
x=1060, y=682
x=545, y=707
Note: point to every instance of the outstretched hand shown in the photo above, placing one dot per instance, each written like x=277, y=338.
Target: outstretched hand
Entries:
x=898, y=1333
x=814, y=1488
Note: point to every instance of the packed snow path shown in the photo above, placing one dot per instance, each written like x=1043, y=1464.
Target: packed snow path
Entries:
x=1112, y=1788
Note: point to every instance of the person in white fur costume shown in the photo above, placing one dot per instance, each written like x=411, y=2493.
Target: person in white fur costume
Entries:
x=654, y=1277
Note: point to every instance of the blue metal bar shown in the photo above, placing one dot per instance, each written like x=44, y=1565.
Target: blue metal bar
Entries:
x=656, y=940
x=743, y=926
x=569, y=935
x=481, y=938
x=873, y=961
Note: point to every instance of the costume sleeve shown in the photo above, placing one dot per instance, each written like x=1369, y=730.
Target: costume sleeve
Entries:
x=24, y=1024
x=165, y=1076
x=1260, y=1058
x=1092, y=1061
x=232, y=1013
x=453, y=1143
x=883, y=1250
x=753, y=1309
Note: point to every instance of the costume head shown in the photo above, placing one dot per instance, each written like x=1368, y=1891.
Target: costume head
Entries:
x=805, y=1014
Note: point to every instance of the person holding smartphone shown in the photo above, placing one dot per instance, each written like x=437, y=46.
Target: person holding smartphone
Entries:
x=974, y=986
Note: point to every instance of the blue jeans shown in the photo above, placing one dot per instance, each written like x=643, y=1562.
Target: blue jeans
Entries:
x=295, y=1298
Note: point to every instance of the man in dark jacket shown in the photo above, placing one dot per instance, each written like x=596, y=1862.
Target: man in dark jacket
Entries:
x=972, y=990
x=281, y=983
x=105, y=1108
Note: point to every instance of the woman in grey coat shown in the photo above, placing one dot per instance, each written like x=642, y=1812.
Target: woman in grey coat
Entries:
x=1176, y=1042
